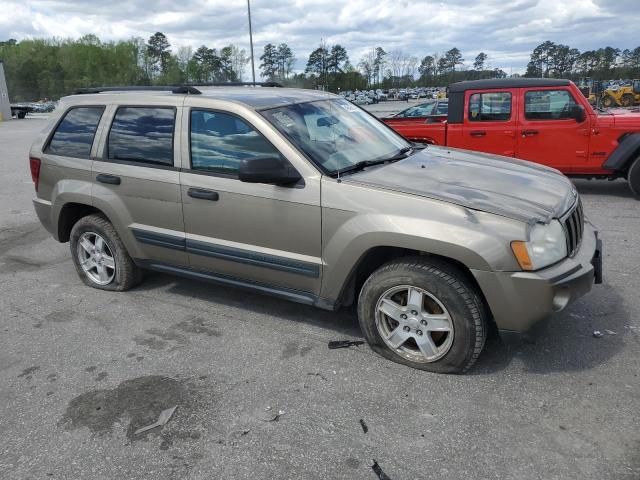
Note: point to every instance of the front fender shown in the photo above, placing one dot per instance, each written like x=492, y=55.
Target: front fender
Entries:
x=624, y=154
x=467, y=238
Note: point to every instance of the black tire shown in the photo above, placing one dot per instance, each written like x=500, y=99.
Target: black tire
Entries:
x=633, y=177
x=451, y=287
x=627, y=100
x=127, y=274
x=608, y=101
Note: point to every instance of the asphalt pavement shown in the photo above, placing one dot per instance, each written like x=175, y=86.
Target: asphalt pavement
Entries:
x=259, y=394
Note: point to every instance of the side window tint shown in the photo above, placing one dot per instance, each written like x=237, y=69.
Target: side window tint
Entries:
x=548, y=105
x=490, y=107
x=142, y=134
x=75, y=133
x=219, y=141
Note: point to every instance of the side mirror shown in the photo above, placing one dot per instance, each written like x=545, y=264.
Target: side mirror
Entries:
x=577, y=113
x=270, y=170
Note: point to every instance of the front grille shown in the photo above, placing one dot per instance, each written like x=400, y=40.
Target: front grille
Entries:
x=573, y=223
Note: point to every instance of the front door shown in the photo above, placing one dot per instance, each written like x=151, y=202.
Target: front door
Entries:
x=490, y=122
x=547, y=132
x=264, y=236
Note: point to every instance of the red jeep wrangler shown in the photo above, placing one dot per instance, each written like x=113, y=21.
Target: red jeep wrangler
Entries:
x=542, y=120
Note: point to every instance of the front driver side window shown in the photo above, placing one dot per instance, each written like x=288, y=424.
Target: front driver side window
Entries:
x=220, y=140
x=548, y=105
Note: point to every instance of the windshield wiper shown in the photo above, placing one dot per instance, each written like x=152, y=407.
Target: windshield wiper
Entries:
x=402, y=153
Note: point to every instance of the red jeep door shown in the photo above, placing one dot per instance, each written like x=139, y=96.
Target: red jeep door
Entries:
x=548, y=134
x=490, y=122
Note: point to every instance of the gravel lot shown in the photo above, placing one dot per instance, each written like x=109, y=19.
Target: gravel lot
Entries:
x=81, y=370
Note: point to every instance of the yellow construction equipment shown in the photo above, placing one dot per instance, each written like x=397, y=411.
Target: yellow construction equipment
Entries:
x=626, y=96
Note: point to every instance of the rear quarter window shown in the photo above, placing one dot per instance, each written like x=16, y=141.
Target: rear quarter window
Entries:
x=73, y=137
x=143, y=135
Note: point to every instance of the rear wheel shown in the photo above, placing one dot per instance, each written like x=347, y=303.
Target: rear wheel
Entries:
x=423, y=314
x=633, y=177
x=100, y=257
x=608, y=101
x=627, y=100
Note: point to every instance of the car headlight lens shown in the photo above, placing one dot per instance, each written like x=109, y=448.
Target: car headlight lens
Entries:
x=547, y=245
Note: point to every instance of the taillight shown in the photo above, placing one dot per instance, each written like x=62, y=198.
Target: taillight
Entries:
x=34, y=164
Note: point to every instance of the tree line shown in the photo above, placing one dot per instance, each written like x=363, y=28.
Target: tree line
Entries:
x=50, y=68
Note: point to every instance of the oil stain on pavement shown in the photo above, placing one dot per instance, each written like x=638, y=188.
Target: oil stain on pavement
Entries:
x=141, y=400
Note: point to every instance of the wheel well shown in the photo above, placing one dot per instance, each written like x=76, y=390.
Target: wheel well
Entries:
x=69, y=215
x=378, y=256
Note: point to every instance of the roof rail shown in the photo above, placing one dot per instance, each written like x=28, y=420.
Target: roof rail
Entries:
x=235, y=84
x=179, y=89
x=187, y=88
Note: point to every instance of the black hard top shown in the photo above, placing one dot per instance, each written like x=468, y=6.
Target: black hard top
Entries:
x=495, y=83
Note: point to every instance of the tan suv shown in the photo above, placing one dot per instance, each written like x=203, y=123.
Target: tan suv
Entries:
x=302, y=195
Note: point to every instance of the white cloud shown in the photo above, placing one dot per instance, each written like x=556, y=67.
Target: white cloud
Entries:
x=507, y=31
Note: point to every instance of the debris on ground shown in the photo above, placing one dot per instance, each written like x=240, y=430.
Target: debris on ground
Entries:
x=378, y=471
x=597, y=334
x=163, y=418
x=365, y=429
x=275, y=417
x=344, y=344
x=316, y=374
x=610, y=332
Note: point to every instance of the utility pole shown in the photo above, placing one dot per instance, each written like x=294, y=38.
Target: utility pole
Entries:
x=253, y=66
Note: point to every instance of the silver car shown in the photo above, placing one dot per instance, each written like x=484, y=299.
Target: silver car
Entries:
x=303, y=195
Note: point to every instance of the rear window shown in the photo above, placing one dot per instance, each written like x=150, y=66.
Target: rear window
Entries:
x=75, y=133
x=490, y=107
x=142, y=134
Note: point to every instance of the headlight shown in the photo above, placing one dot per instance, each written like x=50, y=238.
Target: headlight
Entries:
x=547, y=245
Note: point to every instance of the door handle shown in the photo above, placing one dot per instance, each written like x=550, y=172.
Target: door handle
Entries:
x=203, y=194
x=529, y=133
x=110, y=179
x=477, y=133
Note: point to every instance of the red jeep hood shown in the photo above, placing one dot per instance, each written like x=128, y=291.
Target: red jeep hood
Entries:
x=623, y=117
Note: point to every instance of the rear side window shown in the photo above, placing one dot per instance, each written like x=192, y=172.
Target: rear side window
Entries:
x=75, y=133
x=548, y=105
x=219, y=141
x=142, y=134
x=490, y=107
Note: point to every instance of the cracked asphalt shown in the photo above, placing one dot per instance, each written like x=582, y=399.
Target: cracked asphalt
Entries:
x=259, y=394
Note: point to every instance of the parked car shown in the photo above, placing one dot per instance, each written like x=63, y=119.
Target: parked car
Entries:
x=302, y=195
x=546, y=121
x=363, y=100
x=430, y=111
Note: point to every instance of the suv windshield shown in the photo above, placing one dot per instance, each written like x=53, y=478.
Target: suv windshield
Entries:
x=336, y=134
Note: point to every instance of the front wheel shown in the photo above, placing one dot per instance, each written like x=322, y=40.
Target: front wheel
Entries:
x=608, y=101
x=633, y=177
x=423, y=314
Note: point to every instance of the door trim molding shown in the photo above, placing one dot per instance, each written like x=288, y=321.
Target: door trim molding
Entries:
x=231, y=254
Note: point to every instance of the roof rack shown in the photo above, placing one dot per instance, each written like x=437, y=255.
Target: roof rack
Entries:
x=235, y=84
x=187, y=88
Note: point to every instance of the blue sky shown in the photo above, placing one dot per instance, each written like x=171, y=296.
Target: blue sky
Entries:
x=506, y=31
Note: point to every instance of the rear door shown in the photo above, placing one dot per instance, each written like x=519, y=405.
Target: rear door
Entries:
x=490, y=122
x=547, y=133
x=266, y=236
x=136, y=180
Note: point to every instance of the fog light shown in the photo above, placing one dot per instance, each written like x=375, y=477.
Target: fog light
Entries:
x=561, y=299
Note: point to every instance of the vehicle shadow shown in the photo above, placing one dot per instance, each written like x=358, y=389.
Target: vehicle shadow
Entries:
x=344, y=322
x=618, y=188
x=564, y=342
